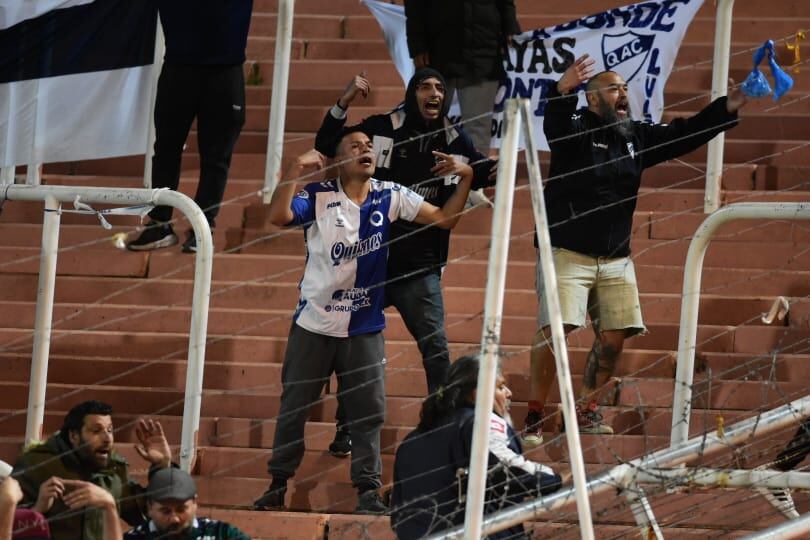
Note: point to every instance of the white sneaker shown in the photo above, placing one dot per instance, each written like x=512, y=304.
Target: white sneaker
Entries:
x=780, y=499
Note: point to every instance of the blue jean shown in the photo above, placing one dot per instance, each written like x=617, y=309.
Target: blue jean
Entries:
x=421, y=306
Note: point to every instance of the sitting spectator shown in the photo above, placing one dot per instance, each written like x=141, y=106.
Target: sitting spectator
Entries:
x=172, y=506
x=429, y=487
x=337, y=326
x=405, y=140
x=82, y=450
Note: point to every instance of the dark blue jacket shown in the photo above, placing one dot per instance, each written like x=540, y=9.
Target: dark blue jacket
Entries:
x=427, y=489
x=205, y=32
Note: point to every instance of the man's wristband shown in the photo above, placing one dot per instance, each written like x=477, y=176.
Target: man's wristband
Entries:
x=337, y=111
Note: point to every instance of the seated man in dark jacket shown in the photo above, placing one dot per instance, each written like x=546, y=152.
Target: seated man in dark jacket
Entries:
x=404, y=141
x=598, y=154
x=83, y=451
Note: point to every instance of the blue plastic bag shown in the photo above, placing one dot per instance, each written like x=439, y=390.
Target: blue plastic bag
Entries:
x=756, y=85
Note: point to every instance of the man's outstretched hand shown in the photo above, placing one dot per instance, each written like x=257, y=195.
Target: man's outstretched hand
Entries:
x=153, y=446
x=736, y=98
x=577, y=73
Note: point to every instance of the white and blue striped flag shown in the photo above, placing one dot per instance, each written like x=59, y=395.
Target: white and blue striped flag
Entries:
x=75, y=79
x=639, y=41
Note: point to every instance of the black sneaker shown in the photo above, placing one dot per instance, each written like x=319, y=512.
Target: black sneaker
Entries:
x=532, y=434
x=190, y=245
x=341, y=447
x=272, y=499
x=370, y=503
x=154, y=236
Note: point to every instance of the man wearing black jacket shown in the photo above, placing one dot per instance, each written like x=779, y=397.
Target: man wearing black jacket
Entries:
x=404, y=141
x=597, y=157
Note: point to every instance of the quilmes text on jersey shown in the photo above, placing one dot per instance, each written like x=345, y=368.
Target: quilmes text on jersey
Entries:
x=341, y=252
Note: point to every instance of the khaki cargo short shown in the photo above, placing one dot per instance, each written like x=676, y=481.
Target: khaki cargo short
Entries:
x=603, y=287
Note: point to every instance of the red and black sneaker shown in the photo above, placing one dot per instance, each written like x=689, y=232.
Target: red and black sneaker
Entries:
x=589, y=420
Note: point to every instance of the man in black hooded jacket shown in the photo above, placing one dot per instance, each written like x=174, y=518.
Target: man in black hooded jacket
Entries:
x=404, y=140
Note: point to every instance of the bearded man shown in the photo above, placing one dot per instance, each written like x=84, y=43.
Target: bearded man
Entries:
x=67, y=477
x=598, y=154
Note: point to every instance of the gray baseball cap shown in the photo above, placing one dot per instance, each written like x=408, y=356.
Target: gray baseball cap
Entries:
x=171, y=484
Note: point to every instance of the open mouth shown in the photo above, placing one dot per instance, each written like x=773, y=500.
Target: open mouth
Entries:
x=621, y=108
x=433, y=105
x=366, y=160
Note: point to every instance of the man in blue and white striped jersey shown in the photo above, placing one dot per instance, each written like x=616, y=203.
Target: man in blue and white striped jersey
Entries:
x=338, y=322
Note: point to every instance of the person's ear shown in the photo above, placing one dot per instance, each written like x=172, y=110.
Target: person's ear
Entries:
x=74, y=437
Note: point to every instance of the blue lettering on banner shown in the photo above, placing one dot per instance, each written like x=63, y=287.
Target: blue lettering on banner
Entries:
x=652, y=15
x=653, y=70
x=537, y=60
x=629, y=50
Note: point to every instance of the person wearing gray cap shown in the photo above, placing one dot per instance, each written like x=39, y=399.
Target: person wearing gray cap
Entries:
x=172, y=509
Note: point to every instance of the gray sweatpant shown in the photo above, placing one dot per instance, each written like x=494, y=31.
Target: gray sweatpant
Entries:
x=359, y=362
x=476, y=98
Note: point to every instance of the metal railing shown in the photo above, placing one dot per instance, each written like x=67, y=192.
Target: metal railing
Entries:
x=53, y=196
x=278, y=101
x=690, y=298
x=627, y=474
x=722, y=50
x=518, y=121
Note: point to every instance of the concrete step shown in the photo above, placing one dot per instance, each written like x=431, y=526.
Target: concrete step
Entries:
x=669, y=226
x=95, y=261
x=662, y=319
x=778, y=255
x=30, y=235
x=248, y=311
x=471, y=273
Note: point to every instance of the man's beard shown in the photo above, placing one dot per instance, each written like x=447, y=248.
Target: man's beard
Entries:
x=622, y=126
x=88, y=458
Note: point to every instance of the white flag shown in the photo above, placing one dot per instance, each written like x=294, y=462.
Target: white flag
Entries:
x=75, y=79
x=638, y=41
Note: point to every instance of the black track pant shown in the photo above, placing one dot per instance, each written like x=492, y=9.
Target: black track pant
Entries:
x=215, y=96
